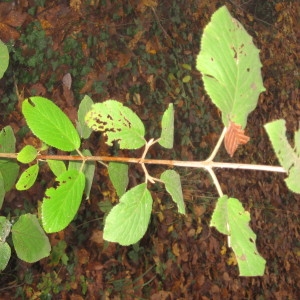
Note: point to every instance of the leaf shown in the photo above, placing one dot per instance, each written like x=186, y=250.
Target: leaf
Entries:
x=288, y=157
x=167, y=128
x=60, y=205
x=230, y=67
x=88, y=170
x=30, y=241
x=119, y=124
x=2, y=190
x=128, y=221
x=234, y=137
x=5, y=227
x=4, y=58
x=7, y=140
x=230, y=218
x=118, y=174
x=27, y=178
x=5, y=253
x=57, y=166
x=27, y=154
x=50, y=124
x=84, y=107
x=172, y=182
x=9, y=171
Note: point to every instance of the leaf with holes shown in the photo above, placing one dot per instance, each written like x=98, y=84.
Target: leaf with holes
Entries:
x=230, y=218
x=119, y=124
x=234, y=137
x=61, y=204
x=230, y=67
x=288, y=157
x=128, y=221
x=30, y=241
x=27, y=178
x=50, y=124
x=167, y=128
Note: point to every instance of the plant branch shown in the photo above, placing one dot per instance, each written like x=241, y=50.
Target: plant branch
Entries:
x=218, y=145
x=215, y=180
x=179, y=163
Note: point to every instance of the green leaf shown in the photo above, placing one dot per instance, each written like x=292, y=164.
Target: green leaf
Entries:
x=230, y=67
x=167, y=132
x=230, y=218
x=9, y=171
x=84, y=107
x=119, y=124
x=57, y=166
x=88, y=170
x=172, y=182
x=28, y=178
x=2, y=190
x=60, y=205
x=7, y=140
x=5, y=226
x=118, y=174
x=288, y=157
x=5, y=253
x=27, y=154
x=128, y=221
x=50, y=124
x=4, y=58
x=30, y=241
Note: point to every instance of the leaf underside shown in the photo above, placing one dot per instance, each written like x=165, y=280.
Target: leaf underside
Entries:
x=230, y=67
x=234, y=137
x=30, y=241
x=231, y=219
x=167, y=128
x=172, y=182
x=128, y=221
x=118, y=174
x=118, y=122
x=288, y=157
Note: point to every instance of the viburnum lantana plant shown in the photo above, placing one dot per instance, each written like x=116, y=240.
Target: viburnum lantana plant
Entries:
x=231, y=71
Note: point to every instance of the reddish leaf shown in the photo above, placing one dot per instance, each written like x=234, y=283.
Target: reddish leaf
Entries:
x=234, y=137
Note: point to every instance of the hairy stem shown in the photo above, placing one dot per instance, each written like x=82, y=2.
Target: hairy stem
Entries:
x=218, y=145
x=179, y=163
